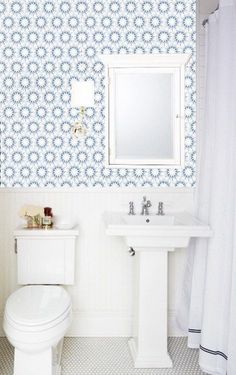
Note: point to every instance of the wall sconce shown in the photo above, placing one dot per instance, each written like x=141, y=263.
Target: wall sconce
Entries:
x=82, y=96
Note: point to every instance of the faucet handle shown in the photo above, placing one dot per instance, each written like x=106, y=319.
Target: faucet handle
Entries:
x=160, y=209
x=149, y=204
x=131, y=208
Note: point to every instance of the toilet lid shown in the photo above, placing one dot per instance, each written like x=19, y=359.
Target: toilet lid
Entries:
x=37, y=304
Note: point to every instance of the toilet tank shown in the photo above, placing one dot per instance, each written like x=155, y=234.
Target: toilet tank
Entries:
x=45, y=256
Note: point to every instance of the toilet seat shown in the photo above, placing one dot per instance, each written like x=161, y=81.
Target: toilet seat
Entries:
x=37, y=308
x=37, y=317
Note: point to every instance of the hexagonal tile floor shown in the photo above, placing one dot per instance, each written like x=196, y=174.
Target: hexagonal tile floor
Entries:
x=103, y=356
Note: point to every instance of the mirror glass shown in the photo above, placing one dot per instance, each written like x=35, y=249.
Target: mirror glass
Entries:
x=143, y=116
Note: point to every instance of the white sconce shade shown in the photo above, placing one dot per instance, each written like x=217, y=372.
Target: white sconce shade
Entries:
x=82, y=93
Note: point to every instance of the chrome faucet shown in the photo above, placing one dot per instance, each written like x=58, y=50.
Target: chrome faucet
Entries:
x=145, y=206
x=160, y=209
x=131, y=208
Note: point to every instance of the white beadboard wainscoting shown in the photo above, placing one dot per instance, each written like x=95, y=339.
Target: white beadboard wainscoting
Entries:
x=102, y=294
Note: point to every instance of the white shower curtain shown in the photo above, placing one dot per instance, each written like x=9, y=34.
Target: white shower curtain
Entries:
x=210, y=285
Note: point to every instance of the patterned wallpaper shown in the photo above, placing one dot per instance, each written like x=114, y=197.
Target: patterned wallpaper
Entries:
x=43, y=45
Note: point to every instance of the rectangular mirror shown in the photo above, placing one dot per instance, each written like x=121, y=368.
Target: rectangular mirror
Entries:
x=145, y=110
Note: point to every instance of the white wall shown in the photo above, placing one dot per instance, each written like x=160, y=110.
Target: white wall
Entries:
x=102, y=294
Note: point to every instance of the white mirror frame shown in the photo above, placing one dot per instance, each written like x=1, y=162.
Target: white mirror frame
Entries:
x=173, y=63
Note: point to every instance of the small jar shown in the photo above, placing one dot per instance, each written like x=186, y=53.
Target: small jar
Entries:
x=47, y=219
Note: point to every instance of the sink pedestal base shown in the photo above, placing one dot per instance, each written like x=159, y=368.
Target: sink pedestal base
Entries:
x=149, y=343
x=161, y=361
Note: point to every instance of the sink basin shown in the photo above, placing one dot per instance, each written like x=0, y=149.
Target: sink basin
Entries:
x=168, y=231
x=151, y=239
x=149, y=220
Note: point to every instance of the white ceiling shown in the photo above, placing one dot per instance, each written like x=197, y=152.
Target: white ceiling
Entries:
x=208, y=6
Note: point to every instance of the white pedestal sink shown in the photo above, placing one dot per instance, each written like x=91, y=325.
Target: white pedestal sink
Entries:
x=152, y=237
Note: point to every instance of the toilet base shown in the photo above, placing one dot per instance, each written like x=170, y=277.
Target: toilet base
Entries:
x=46, y=362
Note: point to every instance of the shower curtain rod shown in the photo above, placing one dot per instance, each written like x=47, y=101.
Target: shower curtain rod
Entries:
x=206, y=19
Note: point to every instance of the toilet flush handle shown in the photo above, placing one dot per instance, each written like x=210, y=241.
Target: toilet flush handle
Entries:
x=15, y=246
x=132, y=251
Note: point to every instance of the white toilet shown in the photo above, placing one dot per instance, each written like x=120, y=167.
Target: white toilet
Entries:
x=38, y=314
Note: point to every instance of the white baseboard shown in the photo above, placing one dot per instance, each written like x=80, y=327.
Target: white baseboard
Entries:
x=100, y=324
x=108, y=324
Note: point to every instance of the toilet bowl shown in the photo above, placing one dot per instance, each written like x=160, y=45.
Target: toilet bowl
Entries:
x=35, y=321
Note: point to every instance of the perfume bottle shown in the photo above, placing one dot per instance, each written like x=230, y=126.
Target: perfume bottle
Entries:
x=47, y=219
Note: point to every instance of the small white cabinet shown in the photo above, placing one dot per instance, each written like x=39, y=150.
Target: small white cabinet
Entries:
x=45, y=256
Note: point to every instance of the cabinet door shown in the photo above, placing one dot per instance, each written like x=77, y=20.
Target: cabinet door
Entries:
x=45, y=261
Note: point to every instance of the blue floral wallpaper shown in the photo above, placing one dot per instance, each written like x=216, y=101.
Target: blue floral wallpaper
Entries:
x=45, y=44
